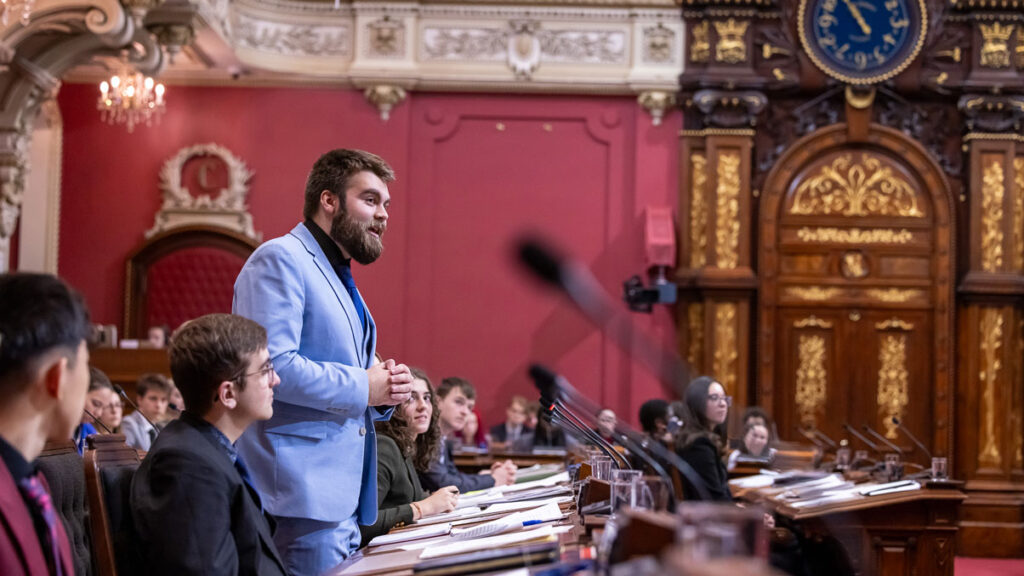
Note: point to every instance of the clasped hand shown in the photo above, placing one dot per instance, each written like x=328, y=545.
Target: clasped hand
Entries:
x=390, y=383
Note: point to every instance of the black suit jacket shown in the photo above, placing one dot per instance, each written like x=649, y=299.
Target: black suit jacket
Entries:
x=443, y=472
x=193, y=512
x=703, y=456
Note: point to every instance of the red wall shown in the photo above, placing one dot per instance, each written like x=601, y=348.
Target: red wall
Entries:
x=474, y=172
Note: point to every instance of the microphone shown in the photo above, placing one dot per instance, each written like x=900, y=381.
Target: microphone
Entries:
x=810, y=436
x=174, y=407
x=860, y=437
x=587, y=435
x=912, y=438
x=120, y=392
x=96, y=420
x=821, y=435
x=881, y=438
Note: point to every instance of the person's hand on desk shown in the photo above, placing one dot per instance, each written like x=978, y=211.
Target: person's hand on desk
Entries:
x=441, y=501
x=504, y=473
x=390, y=383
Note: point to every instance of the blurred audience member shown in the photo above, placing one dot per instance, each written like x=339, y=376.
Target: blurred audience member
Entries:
x=753, y=445
x=513, y=433
x=157, y=336
x=606, y=425
x=153, y=392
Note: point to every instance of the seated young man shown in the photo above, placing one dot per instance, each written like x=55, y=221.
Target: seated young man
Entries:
x=153, y=393
x=456, y=396
x=194, y=508
x=44, y=375
x=514, y=434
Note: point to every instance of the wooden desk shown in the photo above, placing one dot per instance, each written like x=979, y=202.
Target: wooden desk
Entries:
x=474, y=461
x=893, y=534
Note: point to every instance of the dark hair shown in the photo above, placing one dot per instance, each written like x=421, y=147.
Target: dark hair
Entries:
x=38, y=313
x=455, y=382
x=422, y=448
x=98, y=379
x=333, y=170
x=757, y=412
x=695, y=420
x=152, y=382
x=209, y=350
x=650, y=412
x=743, y=438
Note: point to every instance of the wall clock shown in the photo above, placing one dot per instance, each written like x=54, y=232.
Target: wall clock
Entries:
x=862, y=41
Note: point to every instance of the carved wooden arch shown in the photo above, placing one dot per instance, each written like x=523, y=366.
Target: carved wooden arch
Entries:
x=914, y=157
x=162, y=245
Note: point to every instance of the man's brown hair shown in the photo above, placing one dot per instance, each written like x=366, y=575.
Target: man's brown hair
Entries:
x=333, y=170
x=152, y=382
x=455, y=382
x=209, y=350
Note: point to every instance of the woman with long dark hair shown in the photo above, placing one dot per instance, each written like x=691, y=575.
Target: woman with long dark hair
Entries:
x=701, y=440
x=409, y=440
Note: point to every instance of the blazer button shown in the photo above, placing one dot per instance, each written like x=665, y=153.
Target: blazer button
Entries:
x=362, y=431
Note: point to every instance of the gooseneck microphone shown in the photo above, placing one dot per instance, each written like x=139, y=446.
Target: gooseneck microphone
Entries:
x=810, y=436
x=824, y=438
x=121, y=393
x=96, y=420
x=912, y=438
x=861, y=437
x=882, y=439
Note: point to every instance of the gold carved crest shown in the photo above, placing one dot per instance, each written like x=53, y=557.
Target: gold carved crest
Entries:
x=856, y=185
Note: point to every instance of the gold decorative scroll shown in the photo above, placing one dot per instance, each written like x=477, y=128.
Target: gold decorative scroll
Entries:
x=731, y=47
x=725, y=346
x=695, y=322
x=893, y=294
x=856, y=187
x=698, y=210
x=995, y=52
x=854, y=235
x=700, y=46
x=991, y=340
x=895, y=324
x=727, y=222
x=815, y=293
x=893, y=391
x=1018, y=214
x=992, y=190
x=811, y=378
x=812, y=321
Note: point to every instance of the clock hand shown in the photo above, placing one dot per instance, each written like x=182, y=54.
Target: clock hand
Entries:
x=858, y=16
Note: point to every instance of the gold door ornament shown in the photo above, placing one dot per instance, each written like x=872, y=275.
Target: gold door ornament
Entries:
x=732, y=46
x=854, y=235
x=854, y=265
x=727, y=221
x=813, y=293
x=992, y=190
x=811, y=378
x=695, y=321
x=1018, y=214
x=700, y=45
x=893, y=391
x=698, y=211
x=812, y=321
x=725, y=346
x=891, y=295
x=991, y=364
x=856, y=187
x=995, y=52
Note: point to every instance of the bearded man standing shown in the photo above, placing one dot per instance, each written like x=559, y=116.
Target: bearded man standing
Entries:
x=315, y=462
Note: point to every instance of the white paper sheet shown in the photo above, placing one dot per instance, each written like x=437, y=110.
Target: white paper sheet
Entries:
x=429, y=531
x=501, y=540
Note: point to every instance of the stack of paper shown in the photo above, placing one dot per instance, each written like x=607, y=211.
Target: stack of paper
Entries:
x=429, y=531
x=501, y=540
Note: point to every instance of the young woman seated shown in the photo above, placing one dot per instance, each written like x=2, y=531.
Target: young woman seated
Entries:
x=753, y=445
x=409, y=440
x=701, y=442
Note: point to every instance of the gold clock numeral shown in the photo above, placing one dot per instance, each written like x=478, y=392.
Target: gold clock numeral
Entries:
x=892, y=5
x=842, y=50
x=826, y=21
x=861, y=59
x=878, y=55
x=888, y=39
x=902, y=23
x=828, y=41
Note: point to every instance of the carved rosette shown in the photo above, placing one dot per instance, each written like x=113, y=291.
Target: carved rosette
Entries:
x=811, y=378
x=861, y=186
x=992, y=191
x=991, y=340
x=727, y=222
x=725, y=346
x=698, y=211
x=893, y=388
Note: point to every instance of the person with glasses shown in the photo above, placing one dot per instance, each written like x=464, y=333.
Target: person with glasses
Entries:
x=192, y=500
x=700, y=442
x=101, y=415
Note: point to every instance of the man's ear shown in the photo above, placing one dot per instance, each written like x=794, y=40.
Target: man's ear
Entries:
x=329, y=202
x=53, y=374
x=227, y=395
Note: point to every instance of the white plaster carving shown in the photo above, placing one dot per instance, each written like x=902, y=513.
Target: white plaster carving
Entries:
x=479, y=44
x=182, y=208
x=657, y=103
x=385, y=38
x=584, y=46
x=659, y=44
x=384, y=97
x=293, y=39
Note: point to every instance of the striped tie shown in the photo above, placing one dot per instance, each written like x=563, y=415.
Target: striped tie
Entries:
x=33, y=489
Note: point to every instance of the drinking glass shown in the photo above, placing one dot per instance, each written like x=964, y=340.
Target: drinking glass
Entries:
x=940, y=469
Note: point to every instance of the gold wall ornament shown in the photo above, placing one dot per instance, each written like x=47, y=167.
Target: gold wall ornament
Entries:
x=853, y=265
x=695, y=322
x=995, y=52
x=1018, y=214
x=991, y=340
x=894, y=294
x=893, y=390
x=811, y=378
x=854, y=235
x=732, y=46
x=894, y=324
x=700, y=44
x=813, y=293
x=727, y=222
x=698, y=210
x=861, y=187
x=812, y=321
x=992, y=190
x=725, y=346
x=1020, y=48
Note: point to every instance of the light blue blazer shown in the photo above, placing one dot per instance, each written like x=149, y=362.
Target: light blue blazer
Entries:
x=317, y=457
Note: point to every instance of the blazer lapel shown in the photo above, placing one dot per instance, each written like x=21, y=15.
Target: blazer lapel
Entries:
x=20, y=525
x=322, y=264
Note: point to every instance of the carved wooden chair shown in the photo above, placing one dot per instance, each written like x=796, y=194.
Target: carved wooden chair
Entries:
x=110, y=465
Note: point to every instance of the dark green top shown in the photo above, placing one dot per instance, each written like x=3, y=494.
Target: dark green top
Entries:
x=397, y=486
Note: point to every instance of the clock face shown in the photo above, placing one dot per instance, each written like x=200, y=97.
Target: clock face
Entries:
x=862, y=41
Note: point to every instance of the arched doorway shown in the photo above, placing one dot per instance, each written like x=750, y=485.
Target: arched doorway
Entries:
x=855, y=289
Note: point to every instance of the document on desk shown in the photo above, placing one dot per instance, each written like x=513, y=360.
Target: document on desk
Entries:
x=889, y=488
x=428, y=531
x=459, y=514
x=511, y=523
x=755, y=481
x=545, y=533
x=557, y=478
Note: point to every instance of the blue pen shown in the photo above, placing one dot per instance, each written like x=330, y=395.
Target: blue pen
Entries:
x=532, y=522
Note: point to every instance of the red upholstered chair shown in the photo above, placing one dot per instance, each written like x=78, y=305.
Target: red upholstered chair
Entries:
x=181, y=274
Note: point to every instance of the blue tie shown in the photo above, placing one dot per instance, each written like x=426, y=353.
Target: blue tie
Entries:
x=243, y=471
x=345, y=273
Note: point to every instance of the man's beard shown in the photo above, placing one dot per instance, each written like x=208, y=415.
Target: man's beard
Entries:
x=356, y=239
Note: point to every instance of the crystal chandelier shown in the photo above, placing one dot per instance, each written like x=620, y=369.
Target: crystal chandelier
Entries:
x=130, y=98
x=22, y=9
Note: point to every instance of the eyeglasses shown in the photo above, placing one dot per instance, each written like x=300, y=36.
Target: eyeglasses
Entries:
x=265, y=373
x=716, y=398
